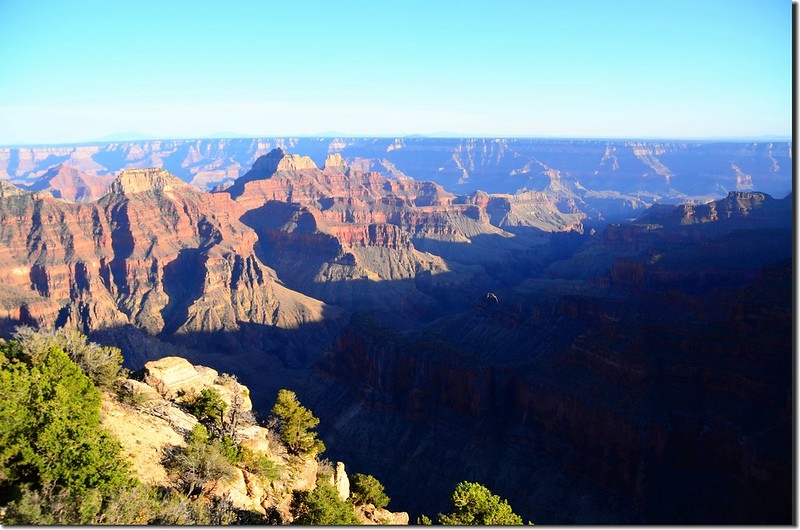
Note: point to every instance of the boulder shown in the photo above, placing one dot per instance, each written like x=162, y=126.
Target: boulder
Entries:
x=175, y=376
x=171, y=376
x=254, y=438
x=146, y=392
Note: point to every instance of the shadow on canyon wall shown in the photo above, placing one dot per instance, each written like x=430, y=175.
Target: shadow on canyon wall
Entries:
x=633, y=418
x=613, y=404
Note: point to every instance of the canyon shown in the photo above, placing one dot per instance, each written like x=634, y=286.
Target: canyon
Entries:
x=600, y=332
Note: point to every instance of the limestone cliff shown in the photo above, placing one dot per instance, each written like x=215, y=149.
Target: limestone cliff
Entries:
x=153, y=252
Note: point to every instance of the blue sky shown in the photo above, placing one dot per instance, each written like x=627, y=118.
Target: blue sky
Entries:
x=83, y=70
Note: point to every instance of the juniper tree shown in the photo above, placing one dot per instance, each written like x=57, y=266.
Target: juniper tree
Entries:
x=295, y=424
x=366, y=489
x=474, y=504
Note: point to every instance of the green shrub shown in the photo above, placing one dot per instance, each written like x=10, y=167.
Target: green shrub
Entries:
x=51, y=506
x=322, y=506
x=366, y=489
x=57, y=465
x=208, y=407
x=101, y=364
x=198, y=434
x=200, y=462
x=259, y=464
x=230, y=449
x=474, y=504
x=163, y=507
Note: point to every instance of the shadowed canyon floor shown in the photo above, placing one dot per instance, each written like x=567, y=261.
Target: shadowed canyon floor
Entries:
x=637, y=372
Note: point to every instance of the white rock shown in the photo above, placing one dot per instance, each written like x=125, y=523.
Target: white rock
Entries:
x=341, y=482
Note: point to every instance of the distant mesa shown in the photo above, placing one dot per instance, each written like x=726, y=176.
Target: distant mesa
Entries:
x=335, y=161
x=141, y=180
x=279, y=160
x=267, y=165
x=607, y=180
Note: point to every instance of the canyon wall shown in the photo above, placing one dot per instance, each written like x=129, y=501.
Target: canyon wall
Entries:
x=655, y=387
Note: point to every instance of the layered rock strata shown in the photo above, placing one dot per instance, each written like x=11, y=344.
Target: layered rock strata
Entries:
x=153, y=252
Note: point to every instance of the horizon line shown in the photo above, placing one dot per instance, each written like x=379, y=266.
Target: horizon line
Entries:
x=443, y=136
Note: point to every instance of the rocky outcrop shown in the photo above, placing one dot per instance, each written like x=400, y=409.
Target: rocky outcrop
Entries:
x=334, y=161
x=173, y=377
x=154, y=426
x=150, y=425
x=9, y=190
x=738, y=209
x=340, y=481
x=278, y=160
x=368, y=514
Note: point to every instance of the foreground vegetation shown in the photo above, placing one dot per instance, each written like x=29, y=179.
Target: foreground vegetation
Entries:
x=58, y=466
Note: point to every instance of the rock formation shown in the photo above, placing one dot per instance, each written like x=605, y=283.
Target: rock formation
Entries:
x=370, y=515
x=340, y=481
x=175, y=376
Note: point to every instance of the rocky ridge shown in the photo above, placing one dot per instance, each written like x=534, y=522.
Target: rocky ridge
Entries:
x=606, y=178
